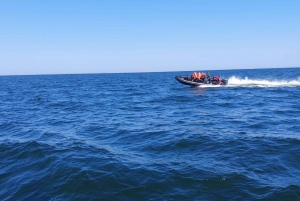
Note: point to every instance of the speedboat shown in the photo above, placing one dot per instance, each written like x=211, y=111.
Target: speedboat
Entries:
x=187, y=80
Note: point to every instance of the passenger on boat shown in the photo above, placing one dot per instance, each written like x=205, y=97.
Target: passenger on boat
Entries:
x=220, y=81
x=216, y=78
x=203, y=76
x=199, y=76
x=208, y=77
x=194, y=76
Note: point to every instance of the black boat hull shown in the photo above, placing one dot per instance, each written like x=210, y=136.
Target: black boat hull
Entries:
x=186, y=80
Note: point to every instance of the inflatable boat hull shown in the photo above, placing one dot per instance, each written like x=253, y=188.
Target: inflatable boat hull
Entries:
x=186, y=80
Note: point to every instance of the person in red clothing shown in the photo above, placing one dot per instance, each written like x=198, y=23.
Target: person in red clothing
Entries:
x=203, y=76
x=220, y=81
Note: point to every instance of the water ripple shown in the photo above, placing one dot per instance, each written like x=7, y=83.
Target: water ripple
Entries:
x=147, y=137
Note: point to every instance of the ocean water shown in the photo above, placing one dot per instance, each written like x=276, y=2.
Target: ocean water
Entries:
x=145, y=136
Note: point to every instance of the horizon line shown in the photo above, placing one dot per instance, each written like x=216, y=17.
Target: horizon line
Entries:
x=135, y=72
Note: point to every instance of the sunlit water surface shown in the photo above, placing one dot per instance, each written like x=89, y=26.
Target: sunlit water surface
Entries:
x=145, y=136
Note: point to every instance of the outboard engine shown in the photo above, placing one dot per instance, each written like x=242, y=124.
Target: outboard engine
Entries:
x=224, y=81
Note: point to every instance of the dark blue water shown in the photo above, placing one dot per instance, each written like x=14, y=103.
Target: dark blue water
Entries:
x=145, y=136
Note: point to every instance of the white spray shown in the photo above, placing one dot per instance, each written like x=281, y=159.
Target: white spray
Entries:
x=234, y=82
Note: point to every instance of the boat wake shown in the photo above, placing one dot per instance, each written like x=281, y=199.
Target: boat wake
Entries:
x=246, y=82
x=210, y=86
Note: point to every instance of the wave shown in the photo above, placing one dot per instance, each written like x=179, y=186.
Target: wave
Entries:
x=235, y=81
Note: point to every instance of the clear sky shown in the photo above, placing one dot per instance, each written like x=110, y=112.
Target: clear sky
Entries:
x=94, y=36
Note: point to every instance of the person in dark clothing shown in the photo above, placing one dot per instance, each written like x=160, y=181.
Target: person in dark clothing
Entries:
x=208, y=78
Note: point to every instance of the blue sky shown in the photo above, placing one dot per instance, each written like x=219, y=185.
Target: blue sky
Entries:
x=93, y=36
